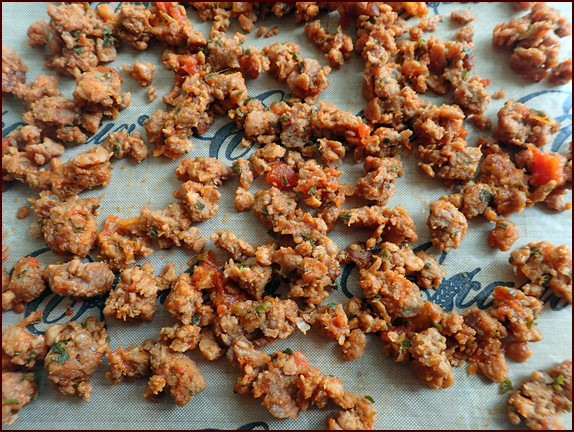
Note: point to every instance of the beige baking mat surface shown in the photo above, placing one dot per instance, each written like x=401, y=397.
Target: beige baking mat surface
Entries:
x=401, y=400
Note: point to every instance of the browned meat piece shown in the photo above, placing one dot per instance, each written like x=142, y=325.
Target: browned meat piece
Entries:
x=461, y=16
x=320, y=186
x=389, y=292
x=304, y=76
x=518, y=351
x=519, y=125
x=503, y=235
x=26, y=284
x=264, y=321
x=172, y=226
x=20, y=346
x=534, y=40
x=198, y=200
x=78, y=38
x=124, y=144
x=507, y=185
x=133, y=362
x=169, y=24
x=174, y=372
x=78, y=279
x=185, y=300
x=243, y=200
x=546, y=266
x=68, y=226
x=141, y=72
x=447, y=225
x=132, y=25
x=18, y=390
x=472, y=96
x=119, y=245
x=180, y=337
x=134, y=296
x=76, y=351
x=562, y=72
x=517, y=312
x=542, y=398
x=430, y=363
x=379, y=183
x=431, y=274
x=99, y=90
x=205, y=170
x=13, y=70
x=337, y=47
x=229, y=53
x=239, y=249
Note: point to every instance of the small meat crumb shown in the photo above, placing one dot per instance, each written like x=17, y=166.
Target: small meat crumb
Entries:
x=273, y=31
x=461, y=16
x=151, y=93
x=23, y=212
x=500, y=94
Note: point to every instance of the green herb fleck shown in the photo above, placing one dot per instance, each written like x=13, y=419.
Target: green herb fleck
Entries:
x=79, y=51
x=503, y=225
x=437, y=326
x=370, y=399
x=153, y=233
x=485, y=196
x=454, y=234
x=60, y=353
x=76, y=33
x=10, y=401
x=288, y=351
x=21, y=274
x=545, y=279
x=108, y=75
x=199, y=205
x=346, y=217
x=263, y=307
x=296, y=57
x=284, y=118
x=332, y=306
x=109, y=38
x=505, y=386
x=287, y=96
x=427, y=265
x=78, y=229
x=195, y=320
x=558, y=382
x=108, y=339
x=312, y=190
x=534, y=251
x=210, y=75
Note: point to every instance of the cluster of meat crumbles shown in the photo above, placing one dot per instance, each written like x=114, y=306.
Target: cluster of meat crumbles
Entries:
x=223, y=305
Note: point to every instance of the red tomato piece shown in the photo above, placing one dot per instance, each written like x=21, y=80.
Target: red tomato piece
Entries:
x=546, y=167
x=282, y=175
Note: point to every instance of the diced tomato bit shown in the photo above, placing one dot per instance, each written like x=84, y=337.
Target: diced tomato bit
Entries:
x=282, y=175
x=188, y=64
x=364, y=130
x=173, y=9
x=546, y=167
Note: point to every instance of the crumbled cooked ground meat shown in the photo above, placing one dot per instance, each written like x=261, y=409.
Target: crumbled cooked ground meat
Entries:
x=185, y=300
x=379, y=183
x=430, y=363
x=518, y=125
x=503, y=235
x=76, y=351
x=174, y=372
x=447, y=225
x=304, y=76
x=180, y=337
x=141, y=72
x=118, y=245
x=431, y=275
x=337, y=47
x=18, y=390
x=20, y=346
x=545, y=266
x=562, y=72
x=517, y=312
x=534, y=40
x=207, y=171
x=461, y=16
x=68, y=226
x=542, y=398
x=123, y=144
x=77, y=279
x=26, y=284
x=133, y=362
x=134, y=296
x=13, y=70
